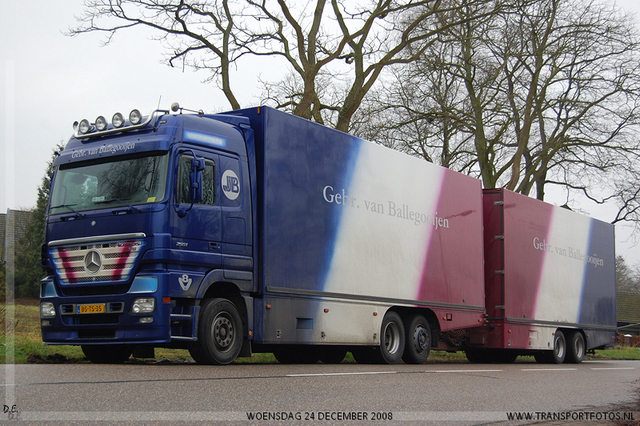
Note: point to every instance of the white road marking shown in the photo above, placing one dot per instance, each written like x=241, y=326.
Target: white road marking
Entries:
x=388, y=372
x=613, y=368
x=340, y=374
x=464, y=371
x=548, y=369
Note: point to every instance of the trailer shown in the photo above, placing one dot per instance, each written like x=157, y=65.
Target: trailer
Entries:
x=549, y=282
x=258, y=231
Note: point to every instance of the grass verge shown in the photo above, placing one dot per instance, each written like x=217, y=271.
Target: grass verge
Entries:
x=28, y=346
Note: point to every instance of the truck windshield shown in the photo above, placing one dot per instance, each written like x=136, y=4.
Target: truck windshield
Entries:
x=129, y=181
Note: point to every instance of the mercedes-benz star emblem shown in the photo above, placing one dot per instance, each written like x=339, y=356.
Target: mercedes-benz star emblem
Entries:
x=92, y=262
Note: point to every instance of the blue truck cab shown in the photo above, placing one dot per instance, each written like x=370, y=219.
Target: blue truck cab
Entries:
x=147, y=218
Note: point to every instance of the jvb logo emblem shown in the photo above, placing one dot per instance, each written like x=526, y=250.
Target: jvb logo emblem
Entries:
x=185, y=282
x=230, y=184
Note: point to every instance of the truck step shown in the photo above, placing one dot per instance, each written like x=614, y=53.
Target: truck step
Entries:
x=182, y=327
x=180, y=317
x=183, y=338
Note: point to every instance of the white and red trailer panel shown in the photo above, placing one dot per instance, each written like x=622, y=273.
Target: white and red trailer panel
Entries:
x=546, y=268
x=354, y=228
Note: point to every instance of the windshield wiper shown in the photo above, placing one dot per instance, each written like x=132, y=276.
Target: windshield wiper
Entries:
x=68, y=206
x=135, y=209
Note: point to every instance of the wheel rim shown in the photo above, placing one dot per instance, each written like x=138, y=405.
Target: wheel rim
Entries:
x=392, y=338
x=559, y=349
x=579, y=347
x=420, y=339
x=223, y=331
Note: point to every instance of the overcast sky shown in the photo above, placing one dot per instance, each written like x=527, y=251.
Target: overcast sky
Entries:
x=49, y=80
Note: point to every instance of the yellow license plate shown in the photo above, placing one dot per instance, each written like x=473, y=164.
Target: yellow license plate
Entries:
x=91, y=309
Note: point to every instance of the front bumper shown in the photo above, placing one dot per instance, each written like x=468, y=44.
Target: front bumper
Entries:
x=114, y=323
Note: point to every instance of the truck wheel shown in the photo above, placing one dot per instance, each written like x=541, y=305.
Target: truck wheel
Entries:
x=300, y=354
x=391, y=338
x=418, y=340
x=575, y=348
x=219, y=333
x=559, y=347
x=107, y=354
x=558, y=354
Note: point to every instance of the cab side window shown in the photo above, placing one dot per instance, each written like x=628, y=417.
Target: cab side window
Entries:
x=208, y=181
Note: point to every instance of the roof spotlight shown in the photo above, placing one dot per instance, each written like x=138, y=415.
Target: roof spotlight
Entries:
x=117, y=120
x=84, y=126
x=101, y=123
x=135, y=117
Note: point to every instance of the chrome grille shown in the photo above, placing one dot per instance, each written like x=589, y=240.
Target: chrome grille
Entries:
x=110, y=261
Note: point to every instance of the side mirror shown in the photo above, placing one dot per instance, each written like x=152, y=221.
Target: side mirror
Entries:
x=195, y=180
x=196, y=190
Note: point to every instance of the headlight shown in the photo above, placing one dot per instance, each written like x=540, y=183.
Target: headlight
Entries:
x=143, y=305
x=47, y=310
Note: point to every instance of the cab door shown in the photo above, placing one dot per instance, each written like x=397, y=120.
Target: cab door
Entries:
x=196, y=230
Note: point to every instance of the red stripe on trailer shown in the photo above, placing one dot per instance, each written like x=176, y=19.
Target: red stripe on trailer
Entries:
x=453, y=268
x=526, y=236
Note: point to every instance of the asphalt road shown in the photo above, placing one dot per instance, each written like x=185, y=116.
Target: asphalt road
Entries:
x=442, y=393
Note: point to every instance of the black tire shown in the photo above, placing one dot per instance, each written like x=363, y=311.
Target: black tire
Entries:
x=576, y=348
x=107, y=354
x=417, y=340
x=558, y=354
x=220, y=333
x=297, y=354
x=392, y=338
x=332, y=355
x=559, y=347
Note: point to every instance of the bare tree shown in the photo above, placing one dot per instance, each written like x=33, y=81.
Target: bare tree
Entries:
x=539, y=93
x=347, y=43
x=187, y=28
